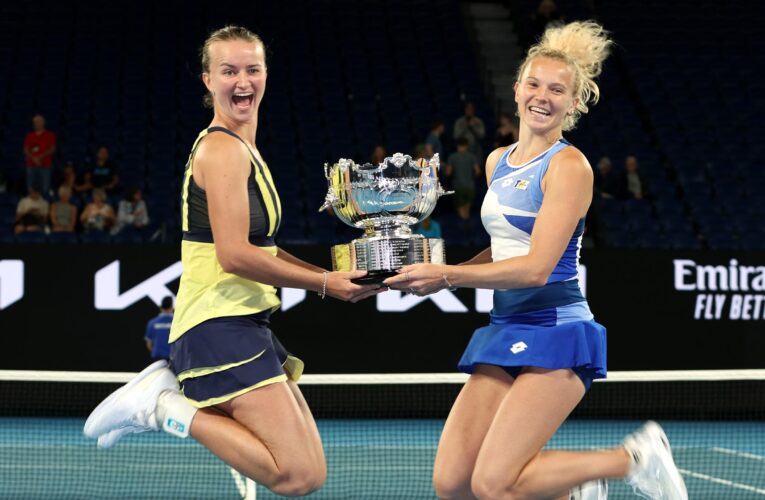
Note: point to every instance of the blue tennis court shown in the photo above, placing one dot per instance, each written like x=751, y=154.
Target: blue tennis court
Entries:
x=367, y=459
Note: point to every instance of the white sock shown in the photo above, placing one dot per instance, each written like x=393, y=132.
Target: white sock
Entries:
x=175, y=413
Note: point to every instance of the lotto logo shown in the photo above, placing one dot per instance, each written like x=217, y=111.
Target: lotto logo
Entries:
x=518, y=347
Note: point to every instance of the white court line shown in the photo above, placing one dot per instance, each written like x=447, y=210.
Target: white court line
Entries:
x=724, y=482
x=398, y=378
x=95, y=466
x=351, y=468
x=742, y=454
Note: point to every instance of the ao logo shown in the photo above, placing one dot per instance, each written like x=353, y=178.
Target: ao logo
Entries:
x=11, y=282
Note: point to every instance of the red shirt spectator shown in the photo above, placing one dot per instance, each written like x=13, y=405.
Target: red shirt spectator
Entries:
x=39, y=145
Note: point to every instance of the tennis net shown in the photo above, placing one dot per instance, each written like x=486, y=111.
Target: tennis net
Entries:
x=380, y=435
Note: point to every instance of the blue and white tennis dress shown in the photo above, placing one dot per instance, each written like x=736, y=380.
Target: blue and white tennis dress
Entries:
x=549, y=326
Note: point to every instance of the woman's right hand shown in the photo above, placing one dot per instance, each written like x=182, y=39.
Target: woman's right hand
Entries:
x=339, y=286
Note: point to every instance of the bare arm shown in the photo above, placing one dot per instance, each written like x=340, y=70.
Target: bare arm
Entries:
x=568, y=192
x=221, y=168
x=483, y=257
x=288, y=257
x=86, y=213
x=48, y=152
x=113, y=183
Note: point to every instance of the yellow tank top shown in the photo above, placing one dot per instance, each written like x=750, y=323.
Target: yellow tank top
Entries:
x=206, y=290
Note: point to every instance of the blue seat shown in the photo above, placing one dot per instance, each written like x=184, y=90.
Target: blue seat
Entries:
x=128, y=235
x=96, y=237
x=720, y=241
x=32, y=237
x=63, y=237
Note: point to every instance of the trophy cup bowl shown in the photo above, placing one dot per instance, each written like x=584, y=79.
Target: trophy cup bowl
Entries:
x=384, y=200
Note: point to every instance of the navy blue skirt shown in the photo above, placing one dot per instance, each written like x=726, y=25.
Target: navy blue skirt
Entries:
x=223, y=358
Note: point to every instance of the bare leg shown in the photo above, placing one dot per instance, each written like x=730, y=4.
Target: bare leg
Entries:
x=464, y=431
x=269, y=435
x=510, y=464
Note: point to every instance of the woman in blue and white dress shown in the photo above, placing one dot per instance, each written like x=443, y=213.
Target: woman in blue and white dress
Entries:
x=534, y=362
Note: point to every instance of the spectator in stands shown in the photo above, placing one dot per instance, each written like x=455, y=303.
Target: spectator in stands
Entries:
x=32, y=211
x=39, y=147
x=98, y=215
x=428, y=227
x=607, y=184
x=507, y=131
x=434, y=138
x=463, y=168
x=69, y=179
x=132, y=211
x=427, y=152
x=634, y=185
x=102, y=174
x=471, y=128
x=158, y=331
x=63, y=214
x=378, y=154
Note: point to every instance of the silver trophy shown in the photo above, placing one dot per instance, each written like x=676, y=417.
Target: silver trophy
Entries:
x=384, y=200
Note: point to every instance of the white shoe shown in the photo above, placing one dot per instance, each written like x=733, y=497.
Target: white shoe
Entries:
x=591, y=490
x=131, y=406
x=653, y=472
x=110, y=438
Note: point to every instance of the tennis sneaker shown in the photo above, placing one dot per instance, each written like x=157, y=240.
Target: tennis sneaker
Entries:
x=132, y=407
x=591, y=490
x=110, y=438
x=653, y=473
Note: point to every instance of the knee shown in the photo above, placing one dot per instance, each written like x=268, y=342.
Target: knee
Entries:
x=299, y=482
x=488, y=486
x=450, y=487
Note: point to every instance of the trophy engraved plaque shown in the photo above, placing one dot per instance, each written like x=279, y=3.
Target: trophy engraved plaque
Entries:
x=384, y=200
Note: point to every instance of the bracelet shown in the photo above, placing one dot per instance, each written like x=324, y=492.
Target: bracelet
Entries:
x=449, y=286
x=323, y=292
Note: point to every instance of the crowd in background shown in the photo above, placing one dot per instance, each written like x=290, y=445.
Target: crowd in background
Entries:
x=90, y=199
x=70, y=201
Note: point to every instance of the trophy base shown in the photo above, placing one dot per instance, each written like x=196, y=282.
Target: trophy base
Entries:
x=382, y=256
x=374, y=277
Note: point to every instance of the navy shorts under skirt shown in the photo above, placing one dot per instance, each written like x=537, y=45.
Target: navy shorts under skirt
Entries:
x=223, y=358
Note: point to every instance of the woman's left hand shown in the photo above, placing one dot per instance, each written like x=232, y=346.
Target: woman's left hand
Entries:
x=419, y=279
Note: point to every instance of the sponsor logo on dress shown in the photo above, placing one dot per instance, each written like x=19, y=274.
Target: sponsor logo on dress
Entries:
x=518, y=347
x=521, y=184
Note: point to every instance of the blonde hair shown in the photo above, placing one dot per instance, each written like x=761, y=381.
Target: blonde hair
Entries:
x=225, y=34
x=583, y=45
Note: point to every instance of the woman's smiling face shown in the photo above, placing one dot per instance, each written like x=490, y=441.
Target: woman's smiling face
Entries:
x=237, y=78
